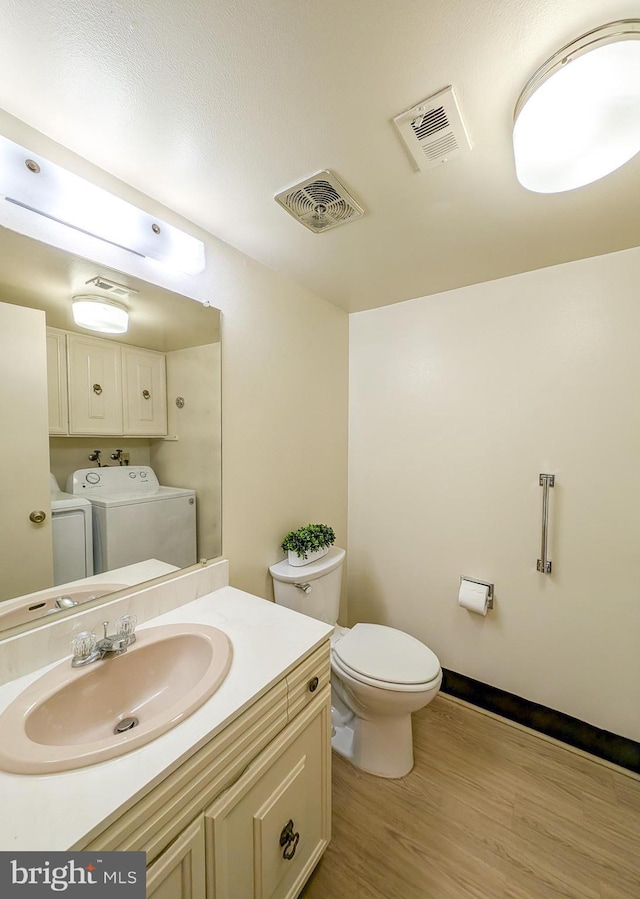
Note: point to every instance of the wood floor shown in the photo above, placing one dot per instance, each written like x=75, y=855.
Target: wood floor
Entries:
x=490, y=811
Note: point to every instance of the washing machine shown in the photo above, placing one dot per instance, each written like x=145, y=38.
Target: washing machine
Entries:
x=135, y=518
x=71, y=534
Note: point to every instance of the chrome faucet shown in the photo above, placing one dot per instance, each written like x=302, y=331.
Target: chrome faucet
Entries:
x=66, y=602
x=87, y=650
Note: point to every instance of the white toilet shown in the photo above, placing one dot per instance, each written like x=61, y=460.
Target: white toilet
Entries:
x=380, y=675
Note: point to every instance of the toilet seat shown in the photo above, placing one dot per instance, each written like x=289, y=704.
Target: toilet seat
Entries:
x=387, y=658
x=343, y=671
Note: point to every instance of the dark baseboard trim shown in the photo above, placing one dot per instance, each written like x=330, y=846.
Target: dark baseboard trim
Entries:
x=619, y=750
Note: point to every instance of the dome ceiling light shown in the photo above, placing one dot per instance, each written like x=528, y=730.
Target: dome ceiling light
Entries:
x=578, y=117
x=96, y=314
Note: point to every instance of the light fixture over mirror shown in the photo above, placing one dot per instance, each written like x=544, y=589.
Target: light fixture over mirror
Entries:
x=578, y=117
x=37, y=184
x=94, y=314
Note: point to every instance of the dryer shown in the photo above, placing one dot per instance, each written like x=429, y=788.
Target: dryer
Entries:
x=71, y=534
x=134, y=518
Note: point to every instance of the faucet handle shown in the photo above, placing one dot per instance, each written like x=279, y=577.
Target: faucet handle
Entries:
x=83, y=644
x=126, y=626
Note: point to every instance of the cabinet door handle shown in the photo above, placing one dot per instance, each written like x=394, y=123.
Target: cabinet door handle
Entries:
x=146, y=394
x=313, y=684
x=97, y=389
x=37, y=516
x=289, y=840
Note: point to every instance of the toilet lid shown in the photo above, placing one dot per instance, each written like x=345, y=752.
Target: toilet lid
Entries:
x=386, y=654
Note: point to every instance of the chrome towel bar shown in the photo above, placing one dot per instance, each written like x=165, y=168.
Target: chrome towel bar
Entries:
x=546, y=481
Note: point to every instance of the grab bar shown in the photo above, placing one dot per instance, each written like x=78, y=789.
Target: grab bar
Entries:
x=546, y=481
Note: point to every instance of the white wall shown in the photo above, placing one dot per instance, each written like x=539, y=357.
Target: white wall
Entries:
x=457, y=403
x=67, y=454
x=193, y=450
x=284, y=456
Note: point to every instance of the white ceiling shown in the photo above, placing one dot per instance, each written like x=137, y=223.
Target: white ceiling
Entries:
x=213, y=106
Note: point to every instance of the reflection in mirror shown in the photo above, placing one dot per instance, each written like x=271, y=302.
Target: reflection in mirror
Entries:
x=74, y=400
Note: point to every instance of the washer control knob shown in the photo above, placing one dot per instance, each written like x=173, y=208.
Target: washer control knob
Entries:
x=92, y=477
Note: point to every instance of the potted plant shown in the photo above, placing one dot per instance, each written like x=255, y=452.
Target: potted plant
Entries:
x=308, y=543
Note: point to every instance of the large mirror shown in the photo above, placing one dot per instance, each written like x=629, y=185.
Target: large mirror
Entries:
x=45, y=438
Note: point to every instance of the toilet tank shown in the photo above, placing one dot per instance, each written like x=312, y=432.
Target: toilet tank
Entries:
x=312, y=589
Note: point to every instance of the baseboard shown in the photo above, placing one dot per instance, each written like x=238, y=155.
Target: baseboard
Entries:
x=611, y=747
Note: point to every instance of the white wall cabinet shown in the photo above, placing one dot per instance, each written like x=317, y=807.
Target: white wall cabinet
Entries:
x=104, y=388
x=249, y=814
x=95, y=385
x=57, y=381
x=144, y=392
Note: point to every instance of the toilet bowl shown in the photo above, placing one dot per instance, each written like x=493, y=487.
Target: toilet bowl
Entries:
x=379, y=675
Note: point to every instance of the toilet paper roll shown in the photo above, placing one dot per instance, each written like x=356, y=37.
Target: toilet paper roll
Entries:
x=474, y=597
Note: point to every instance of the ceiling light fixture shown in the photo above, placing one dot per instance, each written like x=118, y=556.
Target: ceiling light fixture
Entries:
x=578, y=117
x=96, y=314
x=30, y=181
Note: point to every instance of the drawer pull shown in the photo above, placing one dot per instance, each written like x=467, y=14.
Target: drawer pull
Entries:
x=289, y=840
x=97, y=389
x=313, y=684
x=146, y=394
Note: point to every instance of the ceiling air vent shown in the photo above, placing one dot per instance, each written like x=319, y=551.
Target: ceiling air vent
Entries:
x=433, y=130
x=116, y=290
x=320, y=203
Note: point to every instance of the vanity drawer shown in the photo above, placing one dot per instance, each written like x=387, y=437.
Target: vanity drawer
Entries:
x=307, y=680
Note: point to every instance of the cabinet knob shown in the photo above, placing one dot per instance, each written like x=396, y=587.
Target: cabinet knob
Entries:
x=313, y=684
x=146, y=394
x=37, y=516
x=289, y=840
x=97, y=389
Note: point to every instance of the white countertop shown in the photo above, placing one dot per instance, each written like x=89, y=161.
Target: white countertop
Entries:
x=56, y=811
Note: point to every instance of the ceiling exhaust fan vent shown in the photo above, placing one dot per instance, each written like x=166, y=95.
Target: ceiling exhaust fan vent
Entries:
x=320, y=203
x=433, y=130
x=112, y=287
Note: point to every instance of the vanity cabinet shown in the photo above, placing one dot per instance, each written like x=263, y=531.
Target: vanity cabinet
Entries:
x=104, y=388
x=179, y=872
x=248, y=815
x=265, y=834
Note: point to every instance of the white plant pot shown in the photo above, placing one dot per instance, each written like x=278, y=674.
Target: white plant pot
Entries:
x=297, y=561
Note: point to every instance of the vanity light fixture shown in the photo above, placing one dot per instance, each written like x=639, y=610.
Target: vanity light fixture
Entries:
x=35, y=183
x=578, y=117
x=96, y=314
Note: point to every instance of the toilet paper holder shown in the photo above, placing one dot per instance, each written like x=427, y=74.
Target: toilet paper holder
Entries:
x=474, y=580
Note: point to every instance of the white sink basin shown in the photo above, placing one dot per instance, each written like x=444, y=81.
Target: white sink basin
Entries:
x=66, y=718
x=47, y=602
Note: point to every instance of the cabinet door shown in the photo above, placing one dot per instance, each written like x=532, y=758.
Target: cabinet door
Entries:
x=265, y=834
x=95, y=386
x=179, y=872
x=57, y=381
x=145, y=392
